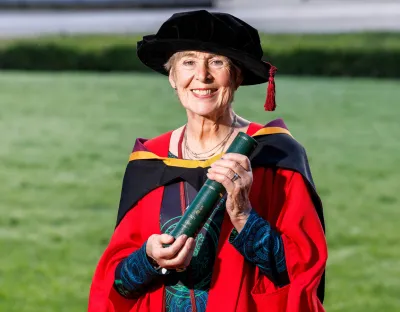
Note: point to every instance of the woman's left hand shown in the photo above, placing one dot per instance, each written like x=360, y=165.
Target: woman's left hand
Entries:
x=237, y=186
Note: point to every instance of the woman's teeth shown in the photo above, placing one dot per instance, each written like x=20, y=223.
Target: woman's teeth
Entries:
x=202, y=92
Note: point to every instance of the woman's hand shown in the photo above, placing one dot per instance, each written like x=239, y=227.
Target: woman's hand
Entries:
x=233, y=171
x=175, y=256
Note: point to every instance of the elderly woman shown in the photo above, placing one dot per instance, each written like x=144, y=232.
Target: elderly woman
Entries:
x=263, y=247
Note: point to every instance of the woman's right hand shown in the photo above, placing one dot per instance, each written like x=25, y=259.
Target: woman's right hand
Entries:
x=176, y=256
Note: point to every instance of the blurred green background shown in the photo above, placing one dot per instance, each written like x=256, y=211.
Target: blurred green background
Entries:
x=364, y=54
x=65, y=142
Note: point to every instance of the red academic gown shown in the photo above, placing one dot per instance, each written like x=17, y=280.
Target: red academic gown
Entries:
x=280, y=196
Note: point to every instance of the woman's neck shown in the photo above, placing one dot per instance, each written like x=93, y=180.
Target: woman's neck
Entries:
x=205, y=133
x=197, y=140
x=204, y=138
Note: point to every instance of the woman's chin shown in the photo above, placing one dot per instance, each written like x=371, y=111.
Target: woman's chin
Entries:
x=204, y=111
x=204, y=107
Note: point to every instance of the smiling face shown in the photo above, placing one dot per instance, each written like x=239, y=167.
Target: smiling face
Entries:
x=205, y=83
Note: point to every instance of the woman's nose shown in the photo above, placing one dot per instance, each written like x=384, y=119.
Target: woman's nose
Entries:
x=202, y=73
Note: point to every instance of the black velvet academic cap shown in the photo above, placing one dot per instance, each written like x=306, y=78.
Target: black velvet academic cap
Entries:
x=218, y=33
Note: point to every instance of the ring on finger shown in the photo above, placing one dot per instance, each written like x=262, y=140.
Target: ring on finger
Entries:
x=235, y=177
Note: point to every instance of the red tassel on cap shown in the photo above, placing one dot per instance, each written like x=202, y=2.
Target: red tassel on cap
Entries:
x=270, y=103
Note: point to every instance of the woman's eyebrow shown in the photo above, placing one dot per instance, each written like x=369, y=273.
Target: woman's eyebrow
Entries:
x=186, y=54
x=193, y=54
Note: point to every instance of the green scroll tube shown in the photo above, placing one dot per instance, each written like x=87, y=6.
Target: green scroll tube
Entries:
x=199, y=210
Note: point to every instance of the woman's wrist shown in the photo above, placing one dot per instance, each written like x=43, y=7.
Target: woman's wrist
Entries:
x=239, y=220
x=153, y=262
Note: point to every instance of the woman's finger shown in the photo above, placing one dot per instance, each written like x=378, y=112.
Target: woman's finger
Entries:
x=179, y=260
x=166, y=239
x=223, y=170
x=223, y=179
x=230, y=164
x=242, y=160
x=242, y=175
x=163, y=253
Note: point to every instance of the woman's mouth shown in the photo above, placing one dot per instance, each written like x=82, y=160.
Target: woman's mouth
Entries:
x=203, y=93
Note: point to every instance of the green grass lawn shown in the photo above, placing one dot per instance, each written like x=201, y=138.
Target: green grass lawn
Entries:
x=66, y=138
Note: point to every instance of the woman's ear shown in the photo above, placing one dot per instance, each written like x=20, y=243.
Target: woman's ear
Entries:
x=238, y=77
x=239, y=81
x=172, y=79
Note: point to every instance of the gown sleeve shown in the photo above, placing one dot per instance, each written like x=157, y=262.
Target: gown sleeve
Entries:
x=128, y=239
x=262, y=246
x=134, y=274
x=284, y=199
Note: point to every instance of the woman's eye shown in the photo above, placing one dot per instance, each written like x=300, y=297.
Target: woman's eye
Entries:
x=218, y=63
x=188, y=63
